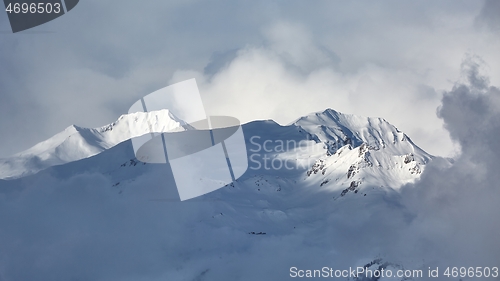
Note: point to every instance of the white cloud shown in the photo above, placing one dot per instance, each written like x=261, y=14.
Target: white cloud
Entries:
x=366, y=59
x=291, y=77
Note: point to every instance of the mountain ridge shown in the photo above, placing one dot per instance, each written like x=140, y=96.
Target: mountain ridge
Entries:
x=75, y=143
x=344, y=149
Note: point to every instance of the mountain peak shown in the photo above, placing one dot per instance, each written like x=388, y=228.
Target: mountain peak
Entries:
x=361, y=149
x=338, y=129
x=75, y=142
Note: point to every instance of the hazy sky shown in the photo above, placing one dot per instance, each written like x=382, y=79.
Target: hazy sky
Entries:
x=252, y=60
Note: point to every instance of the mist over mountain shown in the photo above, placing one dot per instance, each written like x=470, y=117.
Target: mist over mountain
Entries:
x=326, y=165
x=328, y=190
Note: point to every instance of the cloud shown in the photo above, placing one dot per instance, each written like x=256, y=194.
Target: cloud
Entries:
x=296, y=47
x=87, y=72
x=292, y=75
x=457, y=207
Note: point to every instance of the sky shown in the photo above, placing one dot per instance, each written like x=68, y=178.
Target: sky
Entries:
x=252, y=60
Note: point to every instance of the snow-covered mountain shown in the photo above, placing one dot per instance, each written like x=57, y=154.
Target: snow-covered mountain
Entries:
x=312, y=189
x=361, y=150
x=75, y=143
x=339, y=145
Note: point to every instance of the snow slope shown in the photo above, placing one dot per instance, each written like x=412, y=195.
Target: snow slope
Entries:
x=75, y=143
x=362, y=150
